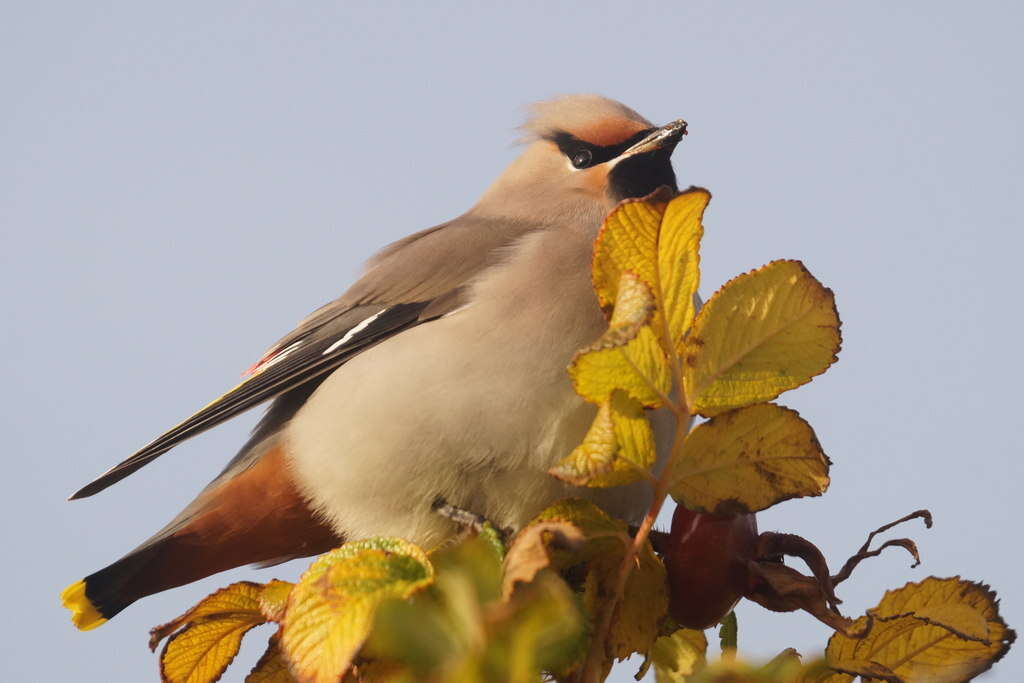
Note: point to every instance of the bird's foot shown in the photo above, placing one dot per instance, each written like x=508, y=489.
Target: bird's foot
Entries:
x=466, y=520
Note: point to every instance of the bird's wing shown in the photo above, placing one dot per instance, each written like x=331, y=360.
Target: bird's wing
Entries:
x=417, y=279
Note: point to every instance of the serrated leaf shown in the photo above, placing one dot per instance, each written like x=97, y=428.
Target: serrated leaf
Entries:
x=595, y=455
x=331, y=608
x=455, y=632
x=272, y=666
x=749, y=459
x=531, y=551
x=590, y=519
x=200, y=652
x=628, y=241
x=636, y=621
x=658, y=238
x=545, y=633
x=618, y=448
x=479, y=558
x=242, y=597
x=763, y=333
x=207, y=637
x=926, y=631
x=964, y=606
x=627, y=356
x=677, y=656
x=679, y=259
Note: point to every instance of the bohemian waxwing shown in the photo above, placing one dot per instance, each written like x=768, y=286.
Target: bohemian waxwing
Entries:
x=440, y=374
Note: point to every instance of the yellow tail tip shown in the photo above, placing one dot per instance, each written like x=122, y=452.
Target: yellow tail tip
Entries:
x=84, y=614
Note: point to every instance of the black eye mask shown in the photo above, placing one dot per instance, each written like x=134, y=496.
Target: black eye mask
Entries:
x=584, y=154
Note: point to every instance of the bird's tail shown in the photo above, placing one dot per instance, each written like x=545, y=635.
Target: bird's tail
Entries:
x=254, y=514
x=102, y=594
x=84, y=614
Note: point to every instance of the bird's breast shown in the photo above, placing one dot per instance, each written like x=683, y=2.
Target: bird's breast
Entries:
x=474, y=407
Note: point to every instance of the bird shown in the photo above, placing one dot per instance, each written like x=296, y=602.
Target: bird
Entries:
x=440, y=374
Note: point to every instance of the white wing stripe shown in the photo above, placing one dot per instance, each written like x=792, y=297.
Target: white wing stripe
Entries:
x=354, y=331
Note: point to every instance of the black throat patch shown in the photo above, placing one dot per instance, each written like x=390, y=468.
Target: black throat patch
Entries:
x=642, y=174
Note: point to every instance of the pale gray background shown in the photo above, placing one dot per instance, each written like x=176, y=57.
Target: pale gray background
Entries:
x=180, y=182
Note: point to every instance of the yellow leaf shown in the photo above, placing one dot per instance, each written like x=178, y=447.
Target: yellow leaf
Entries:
x=618, y=448
x=274, y=599
x=937, y=630
x=544, y=631
x=968, y=622
x=331, y=608
x=530, y=552
x=241, y=597
x=628, y=241
x=764, y=332
x=964, y=606
x=658, y=238
x=200, y=652
x=634, y=439
x=749, y=459
x=272, y=667
x=627, y=356
x=638, y=617
x=595, y=455
x=679, y=259
x=678, y=655
x=209, y=635
x=592, y=521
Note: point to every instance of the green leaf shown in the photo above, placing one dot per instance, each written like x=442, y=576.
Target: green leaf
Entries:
x=728, y=634
x=678, y=656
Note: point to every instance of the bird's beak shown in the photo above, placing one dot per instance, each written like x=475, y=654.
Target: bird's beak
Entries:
x=666, y=137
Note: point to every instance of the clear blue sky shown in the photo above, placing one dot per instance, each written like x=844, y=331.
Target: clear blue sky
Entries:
x=181, y=182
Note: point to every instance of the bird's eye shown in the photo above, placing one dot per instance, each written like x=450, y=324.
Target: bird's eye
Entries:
x=582, y=158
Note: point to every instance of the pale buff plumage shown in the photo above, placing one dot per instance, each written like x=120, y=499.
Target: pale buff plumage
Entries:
x=440, y=373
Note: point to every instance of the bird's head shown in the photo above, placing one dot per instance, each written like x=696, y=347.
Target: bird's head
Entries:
x=586, y=153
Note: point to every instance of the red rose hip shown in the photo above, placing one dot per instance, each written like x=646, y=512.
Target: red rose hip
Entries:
x=706, y=560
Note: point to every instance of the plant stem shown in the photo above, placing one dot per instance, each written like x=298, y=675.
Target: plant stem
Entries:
x=593, y=668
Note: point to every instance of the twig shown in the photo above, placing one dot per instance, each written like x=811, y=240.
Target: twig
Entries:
x=863, y=553
x=593, y=667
